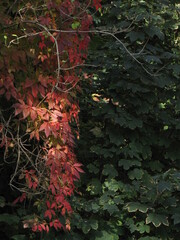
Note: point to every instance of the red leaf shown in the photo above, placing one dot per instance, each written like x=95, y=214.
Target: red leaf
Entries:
x=47, y=131
x=45, y=20
x=48, y=214
x=33, y=114
x=35, y=91
x=47, y=228
x=34, y=228
x=79, y=170
x=23, y=197
x=43, y=57
x=30, y=184
x=97, y=4
x=48, y=204
x=34, y=185
x=43, y=227
x=45, y=126
x=52, y=39
x=52, y=188
x=63, y=211
x=40, y=228
x=53, y=212
x=18, y=110
x=68, y=227
x=37, y=135
x=8, y=95
x=41, y=45
x=16, y=200
x=26, y=112
x=57, y=224
x=2, y=91
x=54, y=205
x=42, y=91
x=28, y=83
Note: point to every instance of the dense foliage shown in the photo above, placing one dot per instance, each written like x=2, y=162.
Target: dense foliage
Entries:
x=129, y=125
x=130, y=129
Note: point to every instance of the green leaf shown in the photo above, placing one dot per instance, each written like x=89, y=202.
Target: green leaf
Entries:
x=97, y=132
x=134, y=206
x=152, y=59
x=115, y=135
x=126, y=164
x=94, y=224
x=2, y=201
x=103, y=235
x=163, y=186
x=154, y=31
x=136, y=36
x=86, y=227
x=136, y=174
x=142, y=228
x=9, y=218
x=109, y=170
x=148, y=238
x=92, y=168
x=176, y=218
x=95, y=207
x=112, y=185
x=75, y=25
x=18, y=237
x=157, y=219
x=176, y=69
x=94, y=187
x=111, y=207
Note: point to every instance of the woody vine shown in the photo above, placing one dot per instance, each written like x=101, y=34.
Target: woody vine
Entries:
x=40, y=70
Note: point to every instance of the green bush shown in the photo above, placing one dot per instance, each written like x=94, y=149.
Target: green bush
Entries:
x=130, y=130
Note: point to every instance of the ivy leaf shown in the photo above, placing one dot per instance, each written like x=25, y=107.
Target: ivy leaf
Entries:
x=157, y=219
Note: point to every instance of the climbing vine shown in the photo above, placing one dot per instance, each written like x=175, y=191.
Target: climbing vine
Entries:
x=44, y=46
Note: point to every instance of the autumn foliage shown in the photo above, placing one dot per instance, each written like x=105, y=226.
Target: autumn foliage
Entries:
x=44, y=47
